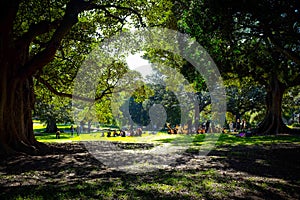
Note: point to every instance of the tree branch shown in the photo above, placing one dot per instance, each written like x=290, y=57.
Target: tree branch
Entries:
x=62, y=94
x=123, y=8
x=74, y=7
x=289, y=54
x=37, y=29
x=45, y=56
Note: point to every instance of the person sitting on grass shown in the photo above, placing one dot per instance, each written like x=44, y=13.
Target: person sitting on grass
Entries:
x=122, y=133
x=115, y=133
x=139, y=132
x=57, y=134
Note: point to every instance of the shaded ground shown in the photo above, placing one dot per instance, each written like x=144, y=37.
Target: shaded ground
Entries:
x=228, y=172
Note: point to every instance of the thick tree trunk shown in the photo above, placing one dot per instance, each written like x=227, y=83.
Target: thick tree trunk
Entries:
x=17, y=70
x=51, y=126
x=273, y=123
x=16, y=128
x=16, y=101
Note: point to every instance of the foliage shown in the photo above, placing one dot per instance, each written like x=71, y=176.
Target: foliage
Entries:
x=244, y=96
x=240, y=36
x=50, y=108
x=291, y=104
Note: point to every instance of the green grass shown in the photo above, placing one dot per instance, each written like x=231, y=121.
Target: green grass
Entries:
x=198, y=182
x=97, y=136
x=162, y=137
x=229, y=139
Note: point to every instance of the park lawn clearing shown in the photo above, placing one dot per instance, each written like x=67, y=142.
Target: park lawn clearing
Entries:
x=97, y=136
x=259, y=167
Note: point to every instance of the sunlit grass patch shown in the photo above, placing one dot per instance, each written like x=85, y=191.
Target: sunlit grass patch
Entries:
x=97, y=136
x=194, y=142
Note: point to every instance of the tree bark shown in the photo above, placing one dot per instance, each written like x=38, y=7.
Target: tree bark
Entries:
x=51, y=126
x=16, y=96
x=16, y=128
x=273, y=123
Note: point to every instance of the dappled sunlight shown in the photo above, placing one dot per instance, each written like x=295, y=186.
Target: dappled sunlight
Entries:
x=253, y=167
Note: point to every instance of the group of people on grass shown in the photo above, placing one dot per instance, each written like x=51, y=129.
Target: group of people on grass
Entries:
x=208, y=127
x=124, y=133
x=114, y=133
x=239, y=126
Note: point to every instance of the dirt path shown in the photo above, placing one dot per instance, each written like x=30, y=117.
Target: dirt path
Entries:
x=228, y=172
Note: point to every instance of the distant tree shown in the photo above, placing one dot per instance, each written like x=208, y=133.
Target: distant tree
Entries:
x=51, y=109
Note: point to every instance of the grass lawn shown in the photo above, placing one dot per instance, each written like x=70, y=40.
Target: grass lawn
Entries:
x=67, y=137
x=162, y=137
x=259, y=167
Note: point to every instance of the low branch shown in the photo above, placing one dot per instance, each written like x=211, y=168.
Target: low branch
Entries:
x=105, y=92
x=62, y=94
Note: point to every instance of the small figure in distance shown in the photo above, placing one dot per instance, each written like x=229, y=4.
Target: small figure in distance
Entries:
x=57, y=134
x=115, y=134
x=231, y=127
x=108, y=134
x=238, y=125
x=207, y=126
x=72, y=130
x=123, y=134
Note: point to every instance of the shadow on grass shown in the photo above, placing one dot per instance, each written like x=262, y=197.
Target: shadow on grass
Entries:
x=229, y=172
x=231, y=139
x=166, y=140
x=52, y=136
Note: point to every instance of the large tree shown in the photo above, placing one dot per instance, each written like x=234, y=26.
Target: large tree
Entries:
x=259, y=39
x=35, y=33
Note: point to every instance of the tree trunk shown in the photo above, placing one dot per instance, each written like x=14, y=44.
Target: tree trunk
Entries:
x=16, y=101
x=273, y=123
x=51, y=126
x=16, y=128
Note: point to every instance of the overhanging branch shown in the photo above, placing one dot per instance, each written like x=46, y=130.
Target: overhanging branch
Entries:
x=105, y=92
x=73, y=8
x=62, y=94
